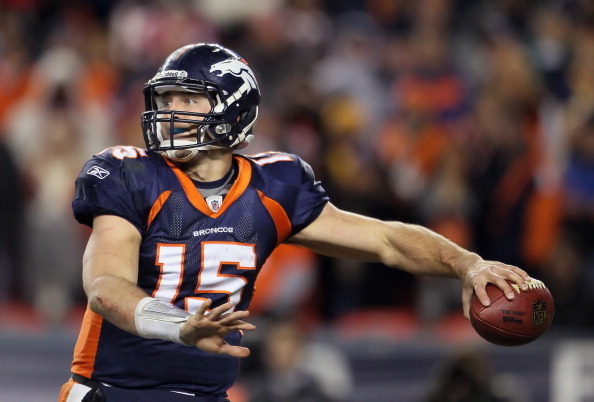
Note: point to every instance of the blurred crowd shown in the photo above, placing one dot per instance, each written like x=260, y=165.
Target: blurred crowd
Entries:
x=474, y=118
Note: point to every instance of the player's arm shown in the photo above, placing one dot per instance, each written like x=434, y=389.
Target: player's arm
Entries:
x=110, y=271
x=412, y=248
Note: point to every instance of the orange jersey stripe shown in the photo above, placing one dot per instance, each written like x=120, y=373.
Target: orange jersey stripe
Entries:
x=65, y=390
x=279, y=216
x=194, y=196
x=157, y=206
x=87, y=343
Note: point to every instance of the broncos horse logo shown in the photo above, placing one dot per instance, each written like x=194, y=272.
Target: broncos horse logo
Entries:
x=240, y=69
x=236, y=67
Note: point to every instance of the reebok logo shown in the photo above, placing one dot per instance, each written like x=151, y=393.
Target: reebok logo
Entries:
x=98, y=172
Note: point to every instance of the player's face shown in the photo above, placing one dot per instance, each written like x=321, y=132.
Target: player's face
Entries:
x=184, y=102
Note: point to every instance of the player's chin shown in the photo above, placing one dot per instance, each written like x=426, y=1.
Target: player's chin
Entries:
x=182, y=154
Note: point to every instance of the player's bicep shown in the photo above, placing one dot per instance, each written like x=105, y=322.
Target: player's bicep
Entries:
x=112, y=250
x=342, y=234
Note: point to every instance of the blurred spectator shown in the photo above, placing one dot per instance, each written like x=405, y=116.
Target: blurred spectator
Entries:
x=294, y=369
x=286, y=282
x=12, y=205
x=351, y=173
x=570, y=268
x=467, y=377
x=53, y=127
x=579, y=185
x=505, y=149
x=570, y=276
x=350, y=70
x=448, y=208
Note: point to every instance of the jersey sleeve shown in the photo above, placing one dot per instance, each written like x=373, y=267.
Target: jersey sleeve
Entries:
x=292, y=183
x=106, y=187
x=311, y=200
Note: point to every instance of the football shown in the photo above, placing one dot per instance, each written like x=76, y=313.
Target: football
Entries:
x=516, y=322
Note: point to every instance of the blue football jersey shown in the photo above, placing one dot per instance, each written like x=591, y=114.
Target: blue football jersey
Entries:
x=190, y=251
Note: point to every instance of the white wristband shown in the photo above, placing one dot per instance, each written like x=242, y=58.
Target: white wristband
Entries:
x=155, y=319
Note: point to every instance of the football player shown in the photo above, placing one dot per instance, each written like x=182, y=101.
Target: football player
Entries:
x=181, y=228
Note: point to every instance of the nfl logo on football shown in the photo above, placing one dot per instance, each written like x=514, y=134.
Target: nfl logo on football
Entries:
x=539, y=313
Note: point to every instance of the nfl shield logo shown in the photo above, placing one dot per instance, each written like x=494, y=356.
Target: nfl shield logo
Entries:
x=214, y=202
x=539, y=313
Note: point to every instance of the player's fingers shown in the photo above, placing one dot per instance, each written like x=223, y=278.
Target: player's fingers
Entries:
x=482, y=295
x=240, y=326
x=215, y=313
x=520, y=272
x=235, y=351
x=516, y=275
x=511, y=269
x=236, y=315
x=217, y=344
x=466, y=299
x=203, y=308
x=505, y=287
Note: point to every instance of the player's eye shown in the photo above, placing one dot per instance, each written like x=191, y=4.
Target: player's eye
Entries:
x=162, y=102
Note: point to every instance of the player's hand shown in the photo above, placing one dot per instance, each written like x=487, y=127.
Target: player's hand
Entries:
x=481, y=272
x=206, y=329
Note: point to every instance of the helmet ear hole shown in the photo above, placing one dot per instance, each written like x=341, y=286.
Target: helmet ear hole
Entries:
x=245, y=125
x=248, y=117
x=241, y=118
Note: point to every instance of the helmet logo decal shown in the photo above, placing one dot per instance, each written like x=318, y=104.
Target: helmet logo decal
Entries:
x=239, y=69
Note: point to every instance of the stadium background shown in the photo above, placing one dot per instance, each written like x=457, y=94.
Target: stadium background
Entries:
x=475, y=118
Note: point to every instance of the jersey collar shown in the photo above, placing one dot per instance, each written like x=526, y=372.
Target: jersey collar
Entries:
x=243, y=179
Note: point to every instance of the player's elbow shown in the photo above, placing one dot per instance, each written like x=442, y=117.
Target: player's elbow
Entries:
x=94, y=290
x=102, y=293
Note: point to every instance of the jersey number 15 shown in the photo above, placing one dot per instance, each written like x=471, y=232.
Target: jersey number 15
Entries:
x=210, y=282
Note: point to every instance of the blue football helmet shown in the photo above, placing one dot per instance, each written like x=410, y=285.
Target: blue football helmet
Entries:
x=228, y=83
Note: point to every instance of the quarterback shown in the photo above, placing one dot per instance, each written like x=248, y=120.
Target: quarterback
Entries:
x=181, y=228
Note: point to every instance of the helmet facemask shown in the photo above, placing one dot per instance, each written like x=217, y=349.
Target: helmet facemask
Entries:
x=208, y=130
